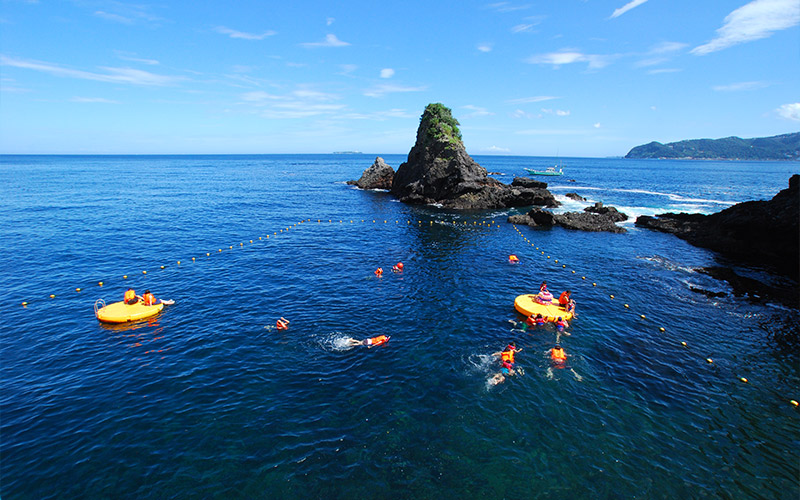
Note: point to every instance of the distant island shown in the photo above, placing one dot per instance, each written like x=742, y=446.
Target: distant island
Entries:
x=347, y=152
x=779, y=147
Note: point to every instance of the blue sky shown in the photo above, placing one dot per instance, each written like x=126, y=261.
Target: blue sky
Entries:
x=570, y=78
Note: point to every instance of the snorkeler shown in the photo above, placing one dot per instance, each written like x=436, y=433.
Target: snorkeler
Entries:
x=370, y=343
x=282, y=324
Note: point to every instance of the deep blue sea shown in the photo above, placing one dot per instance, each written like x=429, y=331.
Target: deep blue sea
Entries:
x=209, y=400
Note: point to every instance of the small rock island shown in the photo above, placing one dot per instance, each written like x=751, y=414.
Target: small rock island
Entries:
x=439, y=171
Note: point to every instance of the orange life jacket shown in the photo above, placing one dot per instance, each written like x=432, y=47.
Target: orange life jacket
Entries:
x=380, y=339
x=507, y=356
x=149, y=299
x=563, y=299
x=280, y=325
x=558, y=355
x=129, y=294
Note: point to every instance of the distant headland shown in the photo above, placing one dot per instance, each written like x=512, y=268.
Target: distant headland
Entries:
x=779, y=147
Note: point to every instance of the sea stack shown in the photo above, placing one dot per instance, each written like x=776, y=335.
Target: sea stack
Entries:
x=439, y=171
x=378, y=176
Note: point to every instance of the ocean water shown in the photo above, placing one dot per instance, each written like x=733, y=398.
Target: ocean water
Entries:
x=209, y=400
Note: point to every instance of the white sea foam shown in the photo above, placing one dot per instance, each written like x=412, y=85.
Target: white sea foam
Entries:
x=672, y=196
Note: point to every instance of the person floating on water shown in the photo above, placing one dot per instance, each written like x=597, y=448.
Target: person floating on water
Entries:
x=379, y=272
x=513, y=259
x=397, y=268
x=561, y=323
x=370, y=343
x=282, y=324
x=506, y=364
x=507, y=354
x=558, y=360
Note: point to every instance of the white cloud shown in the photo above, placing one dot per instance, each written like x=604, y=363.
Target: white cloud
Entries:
x=522, y=28
x=112, y=75
x=507, y=7
x=485, y=47
x=329, y=21
x=475, y=111
x=663, y=70
x=495, y=149
x=330, y=41
x=242, y=35
x=790, y=111
x=101, y=100
x=387, y=73
x=258, y=96
x=114, y=17
x=528, y=100
x=568, y=56
x=556, y=112
x=596, y=125
x=518, y=113
x=756, y=20
x=628, y=6
x=737, y=87
x=382, y=90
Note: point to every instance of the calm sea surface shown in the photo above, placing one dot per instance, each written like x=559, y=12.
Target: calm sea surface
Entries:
x=208, y=400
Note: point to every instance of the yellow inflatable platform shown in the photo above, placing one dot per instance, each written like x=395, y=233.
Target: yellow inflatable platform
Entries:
x=527, y=305
x=120, y=312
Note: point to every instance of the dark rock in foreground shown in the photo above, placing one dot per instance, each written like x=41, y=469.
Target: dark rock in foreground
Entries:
x=597, y=218
x=378, y=176
x=766, y=233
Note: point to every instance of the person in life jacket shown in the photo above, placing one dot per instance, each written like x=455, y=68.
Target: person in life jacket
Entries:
x=513, y=259
x=397, y=268
x=371, y=342
x=507, y=368
x=148, y=298
x=558, y=360
x=563, y=299
x=540, y=320
x=561, y=323
x=379, y=271
x=507, y=354
x=282, y=324
x=130, y=297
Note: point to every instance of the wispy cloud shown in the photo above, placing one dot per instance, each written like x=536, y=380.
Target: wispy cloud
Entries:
x=756, y=20
x=475, y=111
x=329, y=21
x=131, y=58
x=504, y=7
x=569, y=56
x=484, y=47
x=790, y=111
x=382, y=90
x=330, y=41
x=495, y=149
x=661, y=53
x=556, y=112
x=740, y=86
x=299, y=103
x=528, y=100
x=101, y=100
x=387, y=73
x=242, y=35
x=124, y=13
x=522, y=28
x=660, y=71
x=625, y=8
x=111, y=75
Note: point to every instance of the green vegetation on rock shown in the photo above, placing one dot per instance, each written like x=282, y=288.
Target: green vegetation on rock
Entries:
x=779, y=147
x=439, y=124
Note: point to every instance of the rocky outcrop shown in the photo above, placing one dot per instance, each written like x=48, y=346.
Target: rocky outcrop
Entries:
x=575, y=196
x=761, y=232
x=378, y=176
x=439, y=171
x=596, y=218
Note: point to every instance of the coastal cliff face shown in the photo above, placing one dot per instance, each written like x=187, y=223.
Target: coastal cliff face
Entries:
x=762, y=232
x=439, y=170
x=779, y=147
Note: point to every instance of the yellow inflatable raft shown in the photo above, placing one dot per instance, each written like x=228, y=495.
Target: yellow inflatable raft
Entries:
x=527, y=305
x=120, y=312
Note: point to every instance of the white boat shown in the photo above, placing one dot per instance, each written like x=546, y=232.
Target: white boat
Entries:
x=548, y=171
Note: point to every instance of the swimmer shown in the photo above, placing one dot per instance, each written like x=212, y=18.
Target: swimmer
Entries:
x=513, y=259
x=558, y=360
x=370, y=343
x=507, y=354
x=561, y=323
x=379, y=272
x=282, y=324
x=540, y=320
x=397, y=268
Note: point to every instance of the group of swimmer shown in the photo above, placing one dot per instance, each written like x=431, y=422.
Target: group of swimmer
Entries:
x=397, y=268
x=558, y=357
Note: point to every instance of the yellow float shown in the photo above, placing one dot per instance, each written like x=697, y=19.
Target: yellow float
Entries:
x=526, y=304
x=120, y=312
